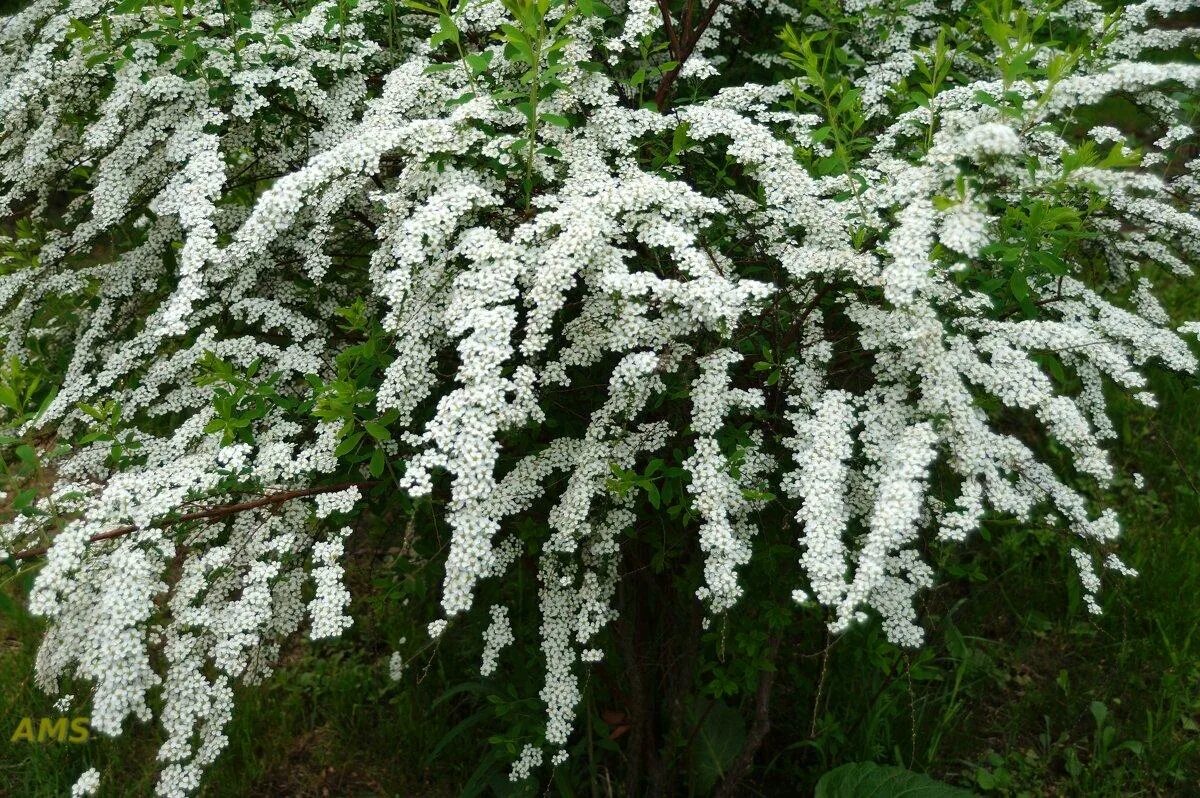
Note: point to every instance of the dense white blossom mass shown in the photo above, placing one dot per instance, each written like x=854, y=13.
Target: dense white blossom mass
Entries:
x=877, y=340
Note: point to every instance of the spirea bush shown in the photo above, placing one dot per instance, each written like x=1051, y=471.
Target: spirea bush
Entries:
x=682, y=285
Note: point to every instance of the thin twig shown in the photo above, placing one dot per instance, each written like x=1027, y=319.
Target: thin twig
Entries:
x=1183, y=468
x=812, y=731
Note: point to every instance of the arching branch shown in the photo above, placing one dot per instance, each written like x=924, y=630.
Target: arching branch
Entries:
x=210, y=513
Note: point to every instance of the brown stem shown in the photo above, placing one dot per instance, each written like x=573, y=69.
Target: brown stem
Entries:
x=758, y=729
x=364, y=219
x=636, y=592
x=209, y=513
x=797, y=326
x=665, y=9
x=683, y=54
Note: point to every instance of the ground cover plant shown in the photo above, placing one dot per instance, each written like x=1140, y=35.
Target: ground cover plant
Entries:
x=637, y=354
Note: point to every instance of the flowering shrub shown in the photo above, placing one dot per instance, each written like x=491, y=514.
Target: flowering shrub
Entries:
x=827, y=283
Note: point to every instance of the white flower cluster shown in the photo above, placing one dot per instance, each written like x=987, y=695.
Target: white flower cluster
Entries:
x=530, y=759
x=627, y=285
x=396, y=665
x=498, y=635
x=717, y=496
x=87, y=784
x=328, y=606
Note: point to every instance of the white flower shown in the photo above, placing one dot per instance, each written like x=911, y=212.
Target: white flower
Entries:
x=87, y=783
x=396, y=666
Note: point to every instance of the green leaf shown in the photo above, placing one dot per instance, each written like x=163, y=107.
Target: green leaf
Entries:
x=651, y=493
x=27, y=455
x=1099, y=712
x=718, y=741
x=447, y=32
x=24, y=499
x=555, y=119
x=1055, y=368
x=377, y=431
x=8, y=398
x=479, y=62
x=348, y=445
x=1018, y=286
x=594, y=8
x=680, y=138
x=869, y=780
x=986, y=99
x=80, y=30
x=377, y=464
